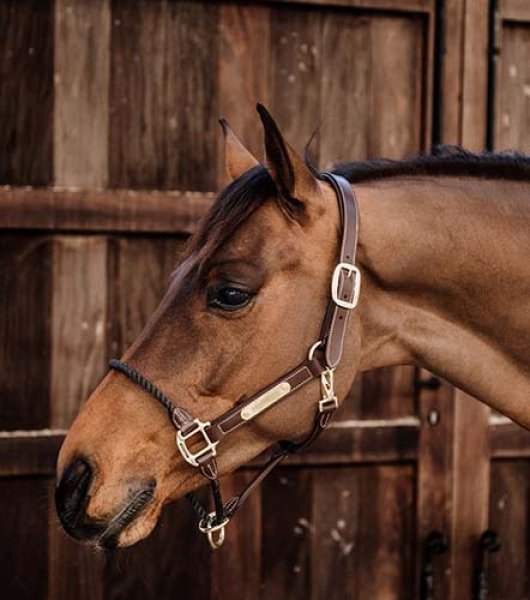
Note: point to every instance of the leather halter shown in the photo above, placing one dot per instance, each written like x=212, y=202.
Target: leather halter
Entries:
x=323, y=358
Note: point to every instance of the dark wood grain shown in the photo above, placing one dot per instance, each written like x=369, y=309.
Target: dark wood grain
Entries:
x=99, y=211
x=191, y=125
x=29, y=453
x=138, y=109
x=23, y=538
x=509, y=440
x=26, y=92
x=25, y=284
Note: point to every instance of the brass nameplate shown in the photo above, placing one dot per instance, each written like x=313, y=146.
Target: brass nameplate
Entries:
x=265, y=401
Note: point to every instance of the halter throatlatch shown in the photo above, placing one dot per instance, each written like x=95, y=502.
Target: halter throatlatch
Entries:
x=322, y=360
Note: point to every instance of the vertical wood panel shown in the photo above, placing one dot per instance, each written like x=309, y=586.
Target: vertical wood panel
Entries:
x=26, y=92
x=345, y=94
x=191, y=123
x=513, y=90
x=243, y=73
x=23, y=537
x=509, y=570
x=296, y=62
x=82, y=38
x=78, y=324
x=137, y=150
x=396, y=86
x=25, y=284
x=287, y=531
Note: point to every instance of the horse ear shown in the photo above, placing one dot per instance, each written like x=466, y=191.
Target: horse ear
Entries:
x=238, y=159
x=295, y=182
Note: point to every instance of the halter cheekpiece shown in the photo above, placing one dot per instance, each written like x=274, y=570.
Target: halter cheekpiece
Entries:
x=322, y=360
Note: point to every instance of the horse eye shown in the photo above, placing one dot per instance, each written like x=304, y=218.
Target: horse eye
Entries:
x=228, y=298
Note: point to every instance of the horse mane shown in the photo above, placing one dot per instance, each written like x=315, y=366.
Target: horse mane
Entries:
x=243, y=196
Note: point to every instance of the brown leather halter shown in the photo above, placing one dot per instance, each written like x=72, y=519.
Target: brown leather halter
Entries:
x=323, y=357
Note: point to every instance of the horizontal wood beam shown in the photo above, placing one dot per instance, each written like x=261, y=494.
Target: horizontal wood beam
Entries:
x=509, y=440
x=514, y=10
x=414, y=6
x=69, y=209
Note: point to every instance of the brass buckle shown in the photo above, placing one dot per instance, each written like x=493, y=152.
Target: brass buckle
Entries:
x=200, y=427
x=351, y=271
x=327, y=387
x=206, y=526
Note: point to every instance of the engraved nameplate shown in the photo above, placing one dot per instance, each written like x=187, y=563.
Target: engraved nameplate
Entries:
x=265, y=401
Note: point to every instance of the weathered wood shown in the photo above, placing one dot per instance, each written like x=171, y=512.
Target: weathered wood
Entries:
x=512, y=125
x=102, y=211
x=434, y=498
x=78, y=353
x=396, y=86
x=29, y=453
x=243, y=63
x=23, y=550
x=236, y=571
x=191, y=125
x=26, y=92
x=514, y=10
x=287, y=573
x=420, y=6
x=510, y=441
x=387, y=393
x=25, y=284
x=138, y=110
x=507, y=570
x=81, y=110
x=471, y=473
x=296, y=62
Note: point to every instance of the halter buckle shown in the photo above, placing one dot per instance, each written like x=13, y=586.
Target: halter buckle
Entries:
x=350, y=271
x=199, y=427
x=327, y=387
x=209, y=527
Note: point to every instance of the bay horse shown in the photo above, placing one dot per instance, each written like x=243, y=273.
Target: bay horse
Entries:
x=444, y=257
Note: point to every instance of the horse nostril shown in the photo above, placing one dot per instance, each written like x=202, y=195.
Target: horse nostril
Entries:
x=71, y=494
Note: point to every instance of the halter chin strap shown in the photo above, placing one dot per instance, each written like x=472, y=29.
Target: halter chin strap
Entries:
x=197, y=440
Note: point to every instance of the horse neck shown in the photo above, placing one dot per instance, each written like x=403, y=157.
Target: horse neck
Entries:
x=446, y=283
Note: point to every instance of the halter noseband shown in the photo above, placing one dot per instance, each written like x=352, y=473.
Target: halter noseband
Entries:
x=323, y=357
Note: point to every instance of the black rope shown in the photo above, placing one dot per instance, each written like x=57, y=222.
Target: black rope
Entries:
x=139, y=379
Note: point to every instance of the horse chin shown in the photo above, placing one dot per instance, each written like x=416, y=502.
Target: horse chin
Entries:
x=140, y=528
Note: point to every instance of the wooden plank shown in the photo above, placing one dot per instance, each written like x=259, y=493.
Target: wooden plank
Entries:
x=287, y=531
x=512, y=118
x=25, y=281
x=243, y=63
x=236, y=570
x=475, y=75
x=192, y=130
x=296, y=62
x=507, y=570
x=81, y=51
x=514, y=10
x=510, y=441
x=78, y=354
x=29, y=452
x=471, y=477
x=23, y=537
x=396, y=94
x=138, y=125
x=387, y=393
x=434, y=480
x=420, y=6
x=346, y=63
x=102, y=211
x=26, y=93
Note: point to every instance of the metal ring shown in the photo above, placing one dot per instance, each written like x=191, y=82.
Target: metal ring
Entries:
x=313, y=348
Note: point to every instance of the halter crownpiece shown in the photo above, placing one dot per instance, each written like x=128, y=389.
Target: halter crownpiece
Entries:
x=322, y=360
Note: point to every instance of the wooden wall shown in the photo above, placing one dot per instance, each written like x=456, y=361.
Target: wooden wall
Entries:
x=115, y=104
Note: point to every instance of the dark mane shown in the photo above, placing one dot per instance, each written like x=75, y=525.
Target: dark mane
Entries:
x=445, y=160
x=245, y=195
